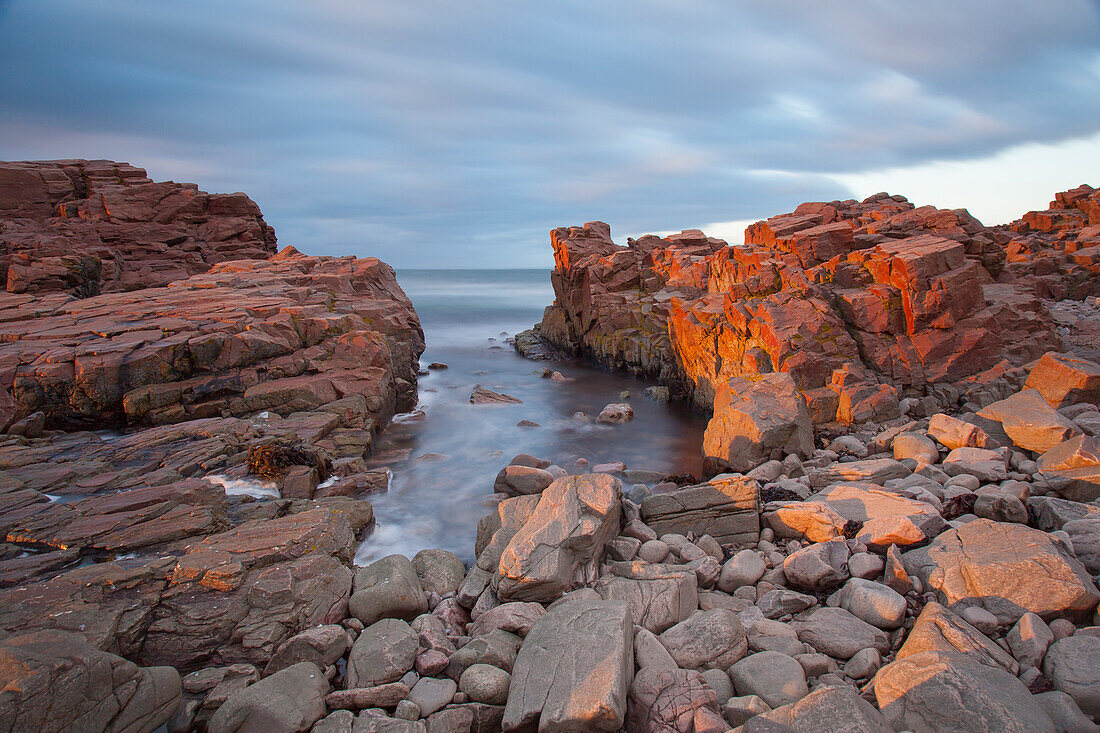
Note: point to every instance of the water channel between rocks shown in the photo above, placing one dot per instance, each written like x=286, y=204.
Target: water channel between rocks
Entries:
x=455, y=449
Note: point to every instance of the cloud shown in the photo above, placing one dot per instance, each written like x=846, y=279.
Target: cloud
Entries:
x=461, y=133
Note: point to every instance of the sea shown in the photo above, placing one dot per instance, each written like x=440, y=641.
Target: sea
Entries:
x=449, y=451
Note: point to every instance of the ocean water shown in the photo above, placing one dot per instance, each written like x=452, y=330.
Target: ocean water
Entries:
x=447, y=454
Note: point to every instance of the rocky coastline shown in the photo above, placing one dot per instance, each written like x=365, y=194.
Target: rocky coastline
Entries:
x=899, y=529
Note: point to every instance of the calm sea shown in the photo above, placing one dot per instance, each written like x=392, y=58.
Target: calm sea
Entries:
x=456, y=449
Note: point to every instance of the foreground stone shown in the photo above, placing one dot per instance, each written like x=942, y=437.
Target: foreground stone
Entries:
x=290, y=701
x=54, y=680
x=573, y=670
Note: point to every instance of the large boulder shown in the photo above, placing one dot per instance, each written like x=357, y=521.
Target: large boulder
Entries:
x=382, y=653
x=1030, y=422
x=756, y=420
x=1072, y=665
x=1065, y=379
x=838, y=633
x=290, y=701
x=665, y=700
x=57, y=681
x=939, y=630
x=711, y=639
x=573, y=670
x=863, y=503
x=659, y=596
x=561, y=543
x=774, y=677
x=387, y=588
x=1073, y=468
x=936, y=691
x=1007, y=569
x=726, y=508
x=838, y=709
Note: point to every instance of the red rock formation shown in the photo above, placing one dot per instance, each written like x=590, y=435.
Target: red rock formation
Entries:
x=879, y=289
x=1056, y=253
x=88, y=226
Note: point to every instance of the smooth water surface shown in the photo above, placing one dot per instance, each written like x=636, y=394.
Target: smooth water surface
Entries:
x=455, y=449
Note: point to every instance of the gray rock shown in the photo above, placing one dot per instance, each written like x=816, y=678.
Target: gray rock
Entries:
x=820, y=566
x=653, y=551
x=289, y=701
x=673, y=700
x=865, y=565
x=574, y=669
x=1084, y=535
x=706, y=640
x=650, y=652
x=737, y=710
x=864, y=664
x=1000, y=506
x=937, y=691
x=837, y=709
x=387, y=588
x=439, y=571
x=719, y=681
x=775, y=678
x=497, y=648
x=431, y=694
x=838, y=633
x=781, y=602
x=516, y=618
x=1029, y=640
x=873, y=602
x=985, y=465
x=1064, y=713
x=360, y=698
x=1073, y=666
x=382, y=653
x=659, y=596
x=726, y=508
x=485, y=684
x=407, y=710
x=339, y=721
x=322, y=645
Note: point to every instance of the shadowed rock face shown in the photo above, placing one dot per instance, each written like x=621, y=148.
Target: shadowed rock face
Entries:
x=88, y=226
x=892, y=292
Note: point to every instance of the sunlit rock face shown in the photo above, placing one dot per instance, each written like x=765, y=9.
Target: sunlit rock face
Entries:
x=893, y=293
x=88, y=226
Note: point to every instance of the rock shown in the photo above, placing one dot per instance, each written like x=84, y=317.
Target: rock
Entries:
x=818, y=567
x=1072, y=665
x=672, y=700
x=497, y=648
x=485, y=684
x=55, y=680
x=863, y=665
x=934, y=691
x=517, y=618
x=439, y=571
x=985, y=465
x=659, y=597
x=562, y=540
x=726, y=508
x=290, y=700
x=1029, y=640
x=1064, y=713
x=1065, y=379
x=737, y=710
x=866, y=503
x=387, y=588
x=360, y=698
x=574, y=669
x=775, y=678
x=406, y=710
x=1084, y=536
x=745, y=567
x=916, y=447
x=833, y=708
x=653, y=551
x=482, y=396
x=999, y=506
x=873, y=602
x=809, y=520
x=382, y=653
x=1073, y=468
x=838, y=633
x=431, y=694
x=865, y=565
x=754, y=421
x=872, y=471
x=1053, y=512
x=321, y=645
x=616, y=413
x=1007, y=569
x=940, y=630
x=520, y=480
x=781, y=602
x=706, y=640
x=1030, y=422
x=980, y=619
x=720, y=682
x=953, y=433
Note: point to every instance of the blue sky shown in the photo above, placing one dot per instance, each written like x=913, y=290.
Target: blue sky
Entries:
x=457, y=134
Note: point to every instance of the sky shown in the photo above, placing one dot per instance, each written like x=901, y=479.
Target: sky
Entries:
x=457, y=134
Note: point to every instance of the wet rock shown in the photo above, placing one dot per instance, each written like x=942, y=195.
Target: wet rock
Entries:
x=940, y=690
x=616, y=413
x=54, y=680
x=387, y=588
x=754, y=421
x=291, y=700
x=574, y=669
x=482, y=396
x=1007, y=569
x=562, y=540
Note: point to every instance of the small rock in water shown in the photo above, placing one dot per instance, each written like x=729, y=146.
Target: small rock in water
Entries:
x=616, y=412
x=527, y=424
x=659, y=394
x=437, y=365
x=624, y=395
x=482, y=396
